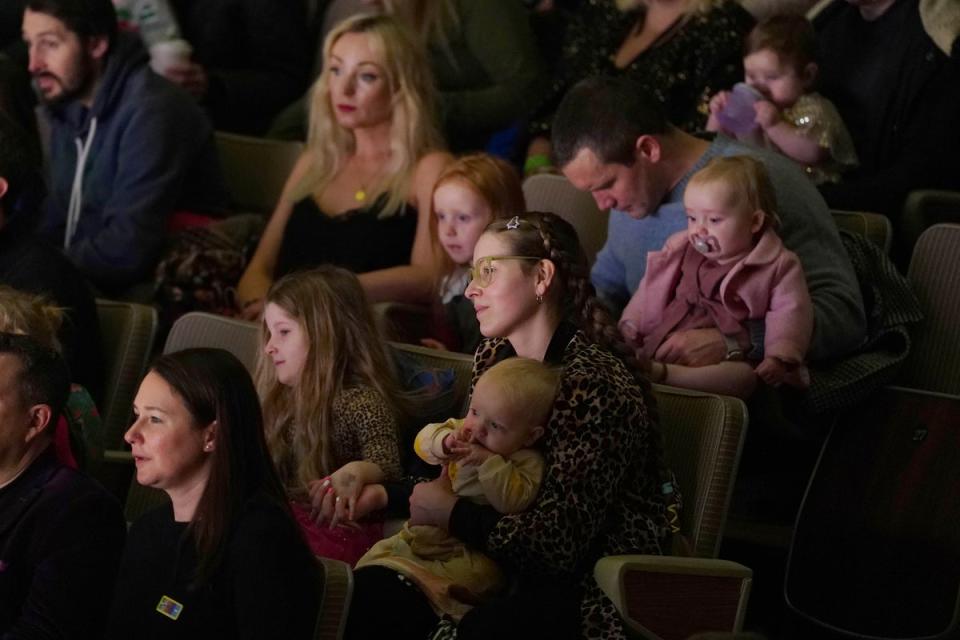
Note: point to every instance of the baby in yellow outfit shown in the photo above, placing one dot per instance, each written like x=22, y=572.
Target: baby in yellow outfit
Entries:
x=488, y=458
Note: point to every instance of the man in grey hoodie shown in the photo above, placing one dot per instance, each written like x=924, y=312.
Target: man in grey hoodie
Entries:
x=127, y=148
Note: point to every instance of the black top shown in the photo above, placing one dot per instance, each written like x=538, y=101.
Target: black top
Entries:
x=898, y=95
x=61, y=535
x=357, y=240
x=28, y=264
x=690, y=62
x=268, y=585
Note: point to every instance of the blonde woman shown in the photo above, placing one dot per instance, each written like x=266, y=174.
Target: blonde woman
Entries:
x=484, y=60
x=681, y=51
x=329, y=404
x=359, y=195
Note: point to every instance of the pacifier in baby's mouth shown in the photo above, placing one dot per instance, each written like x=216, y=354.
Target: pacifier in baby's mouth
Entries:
x=705, y=244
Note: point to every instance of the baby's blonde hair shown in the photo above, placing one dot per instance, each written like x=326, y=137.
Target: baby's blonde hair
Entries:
x=528, y=386
x=748, y=185
x=32, y=315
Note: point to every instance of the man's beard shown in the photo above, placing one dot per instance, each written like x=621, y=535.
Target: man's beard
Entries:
x=68, y=92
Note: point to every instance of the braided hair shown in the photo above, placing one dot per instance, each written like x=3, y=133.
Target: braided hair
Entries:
x=548, y=236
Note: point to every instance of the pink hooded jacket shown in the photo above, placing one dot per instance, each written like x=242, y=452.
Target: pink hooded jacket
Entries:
x=767, y=284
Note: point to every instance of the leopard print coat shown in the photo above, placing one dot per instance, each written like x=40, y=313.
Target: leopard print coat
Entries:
x=364, y=428
x=601, y=493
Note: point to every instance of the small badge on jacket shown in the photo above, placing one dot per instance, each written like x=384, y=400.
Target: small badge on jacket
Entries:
x=169, y=607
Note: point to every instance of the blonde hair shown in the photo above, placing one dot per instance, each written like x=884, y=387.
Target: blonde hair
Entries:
x=748, y=185
x=491, y=179
x=31, y=315
x=528, y=386
x=413, y=130
x=345, y=350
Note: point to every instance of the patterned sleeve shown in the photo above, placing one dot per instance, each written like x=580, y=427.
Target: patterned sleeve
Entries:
x=375, y=431
x=817, y=119
x=596, y=439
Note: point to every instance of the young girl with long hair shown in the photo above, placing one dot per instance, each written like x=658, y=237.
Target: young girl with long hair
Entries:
x=330, y=405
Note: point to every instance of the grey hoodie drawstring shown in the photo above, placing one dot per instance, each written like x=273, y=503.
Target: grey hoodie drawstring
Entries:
x=76, y=192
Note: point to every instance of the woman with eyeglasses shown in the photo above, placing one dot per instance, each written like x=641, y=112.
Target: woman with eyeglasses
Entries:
x=605, y=489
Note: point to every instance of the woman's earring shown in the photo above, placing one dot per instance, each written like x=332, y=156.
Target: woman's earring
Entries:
x=539, y=298
x=208, y=446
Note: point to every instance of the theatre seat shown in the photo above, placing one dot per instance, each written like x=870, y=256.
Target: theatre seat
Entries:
x=335, y=600
x=201, y=329
x=128, y=331
x=553, y=193
x=872, y=226
x=934, y=361
x=255, y=169
x=672, y=597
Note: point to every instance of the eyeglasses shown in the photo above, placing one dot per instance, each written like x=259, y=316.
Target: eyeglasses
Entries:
x=482, y=270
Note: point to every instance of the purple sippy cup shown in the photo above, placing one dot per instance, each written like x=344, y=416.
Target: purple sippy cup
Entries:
x=738, y=116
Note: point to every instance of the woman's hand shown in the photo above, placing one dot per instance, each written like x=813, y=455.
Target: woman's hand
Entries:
x=336, y=498
x=432, y=502
x=322, y=500
x=330, y=507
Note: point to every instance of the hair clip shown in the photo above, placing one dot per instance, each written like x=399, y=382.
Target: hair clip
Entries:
x=513, y=223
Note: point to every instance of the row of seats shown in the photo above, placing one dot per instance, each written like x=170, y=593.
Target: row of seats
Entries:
x=703, y=436
x=255, y=170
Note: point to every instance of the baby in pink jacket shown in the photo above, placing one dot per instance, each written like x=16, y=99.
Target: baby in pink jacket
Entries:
x=727, y=268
